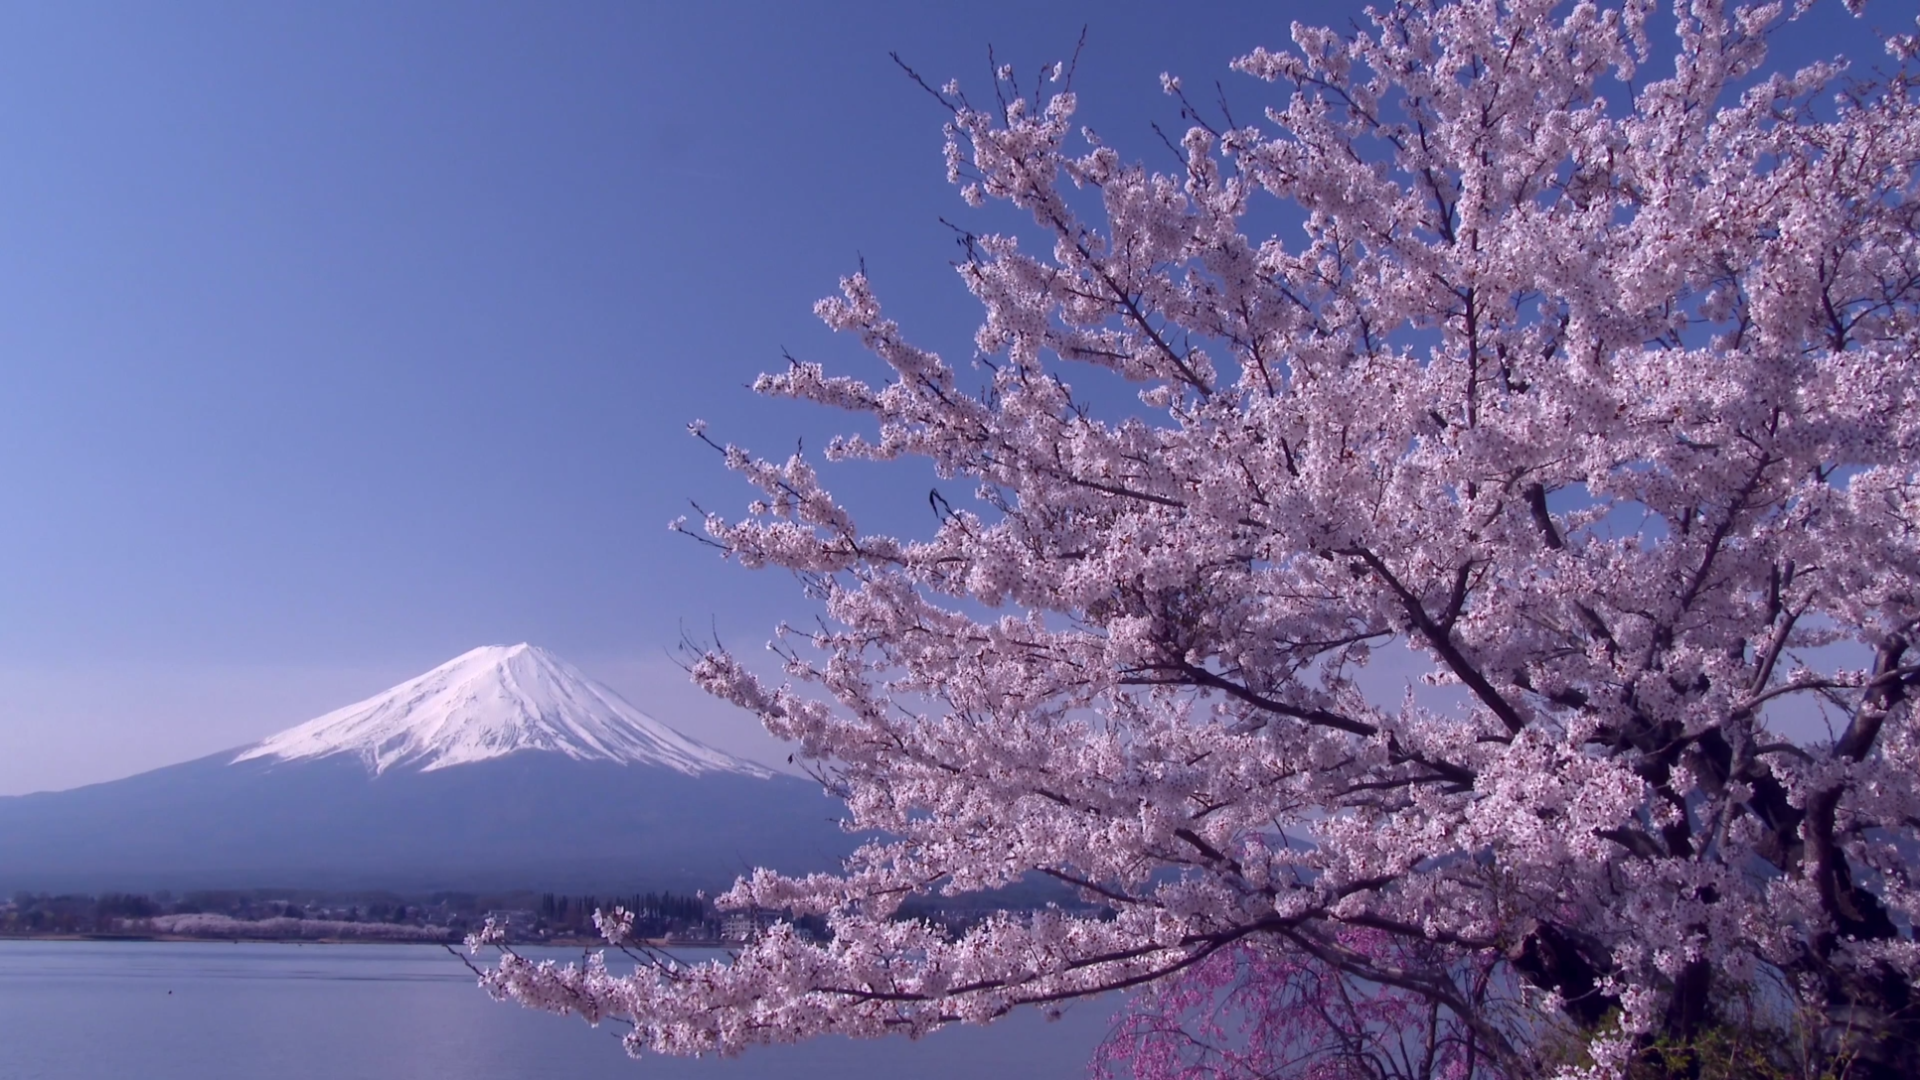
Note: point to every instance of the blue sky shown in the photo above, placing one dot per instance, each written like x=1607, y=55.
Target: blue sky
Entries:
x=339, y=339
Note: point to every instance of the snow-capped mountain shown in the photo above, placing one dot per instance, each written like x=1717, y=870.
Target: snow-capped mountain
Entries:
x=505, y=768
x=494, y=701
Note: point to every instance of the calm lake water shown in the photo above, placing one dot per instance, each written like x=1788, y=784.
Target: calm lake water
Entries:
x=215, y=1011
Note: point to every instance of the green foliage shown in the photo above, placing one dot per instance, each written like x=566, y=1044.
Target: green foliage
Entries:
x=1745, y=1043
x=1727, y=1053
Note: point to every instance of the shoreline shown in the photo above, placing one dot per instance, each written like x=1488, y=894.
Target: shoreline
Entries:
x=563, y=943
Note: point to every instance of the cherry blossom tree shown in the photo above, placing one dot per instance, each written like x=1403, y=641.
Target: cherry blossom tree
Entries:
x=1247, y=1013
x=1576, y=361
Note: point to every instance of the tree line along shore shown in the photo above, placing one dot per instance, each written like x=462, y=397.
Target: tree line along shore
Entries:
x=528, y=917
x=305, y=915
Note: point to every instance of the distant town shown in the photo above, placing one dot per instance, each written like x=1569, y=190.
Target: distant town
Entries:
x=528, y=918
x=284, y=915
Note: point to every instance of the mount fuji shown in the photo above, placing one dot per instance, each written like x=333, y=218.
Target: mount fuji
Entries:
x=505, y=767
x=495, y=701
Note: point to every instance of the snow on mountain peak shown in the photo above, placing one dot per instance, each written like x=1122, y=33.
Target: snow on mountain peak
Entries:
x=490, y=702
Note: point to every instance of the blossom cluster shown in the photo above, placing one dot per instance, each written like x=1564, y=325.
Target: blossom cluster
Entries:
x=1591, y=384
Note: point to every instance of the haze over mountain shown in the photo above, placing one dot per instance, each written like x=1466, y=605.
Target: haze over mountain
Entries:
x=504, y=767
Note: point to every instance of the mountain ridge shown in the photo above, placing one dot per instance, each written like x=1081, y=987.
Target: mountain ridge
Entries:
x=489, y=702
x=504, y=768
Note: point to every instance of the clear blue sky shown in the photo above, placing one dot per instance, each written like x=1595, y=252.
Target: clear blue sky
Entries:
x=337, y=339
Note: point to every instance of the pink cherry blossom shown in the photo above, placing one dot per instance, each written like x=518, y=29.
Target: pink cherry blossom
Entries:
x=1583, y=366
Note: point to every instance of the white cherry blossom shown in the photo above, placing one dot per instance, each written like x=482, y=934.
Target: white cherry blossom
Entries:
x=1586, y=370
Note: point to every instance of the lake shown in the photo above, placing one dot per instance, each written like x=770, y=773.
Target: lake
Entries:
x=220, y=1011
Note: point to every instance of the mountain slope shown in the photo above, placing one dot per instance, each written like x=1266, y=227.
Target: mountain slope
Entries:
x=494, y=701
x=505, y=768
